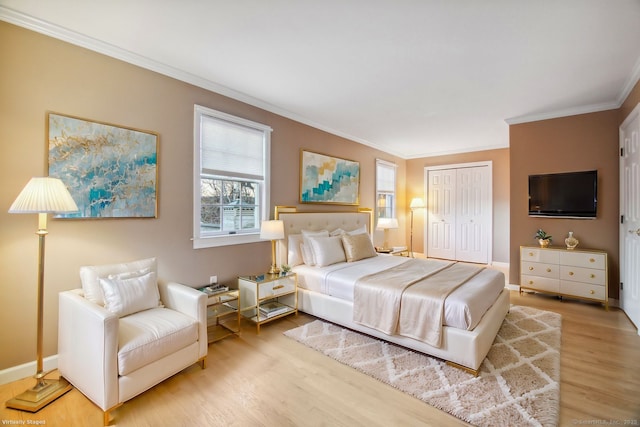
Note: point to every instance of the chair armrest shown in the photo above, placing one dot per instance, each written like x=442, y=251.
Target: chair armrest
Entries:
x=88, y=348
x=191, y=302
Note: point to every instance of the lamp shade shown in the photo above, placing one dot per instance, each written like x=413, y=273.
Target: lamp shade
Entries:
x=272, y=230
x=387, y=223
x=44, y=195
x=416, y=203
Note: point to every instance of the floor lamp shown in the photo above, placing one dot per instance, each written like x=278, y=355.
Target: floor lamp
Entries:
x=416, y=203
x=42, y=196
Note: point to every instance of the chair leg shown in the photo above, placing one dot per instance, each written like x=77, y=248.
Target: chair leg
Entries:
x=107, y=414
x=203, y=362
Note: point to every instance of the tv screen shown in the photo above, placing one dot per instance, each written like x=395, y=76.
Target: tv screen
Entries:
x=572, y=194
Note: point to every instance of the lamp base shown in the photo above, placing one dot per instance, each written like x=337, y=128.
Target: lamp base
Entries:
x=274, y=269
x=40, y=395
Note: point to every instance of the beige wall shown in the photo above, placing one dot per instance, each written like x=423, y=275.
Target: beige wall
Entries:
x=581, y=142
x=500, y=166
x=41, y=74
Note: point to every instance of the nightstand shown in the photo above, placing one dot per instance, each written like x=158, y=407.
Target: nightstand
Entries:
x=267, y=297
x=223, y=316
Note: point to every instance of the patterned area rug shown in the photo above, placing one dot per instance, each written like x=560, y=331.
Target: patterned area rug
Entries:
x=518, y=382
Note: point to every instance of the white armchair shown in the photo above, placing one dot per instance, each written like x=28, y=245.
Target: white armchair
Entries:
x=114, y=352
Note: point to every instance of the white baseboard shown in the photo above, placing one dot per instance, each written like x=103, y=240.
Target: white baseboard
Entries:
x=28, y=369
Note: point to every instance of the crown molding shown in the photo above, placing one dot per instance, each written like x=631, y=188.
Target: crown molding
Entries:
x=574, y=111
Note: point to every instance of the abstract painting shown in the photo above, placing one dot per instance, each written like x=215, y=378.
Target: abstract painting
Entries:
x=110, y=171
x=326, y=179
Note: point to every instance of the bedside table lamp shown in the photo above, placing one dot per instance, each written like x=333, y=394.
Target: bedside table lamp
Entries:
x=416, y=203
x=41, y=196
x=387, y=224
x=272, y=230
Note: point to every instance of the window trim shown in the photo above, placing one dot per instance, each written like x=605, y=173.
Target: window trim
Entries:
x=200, y=241
x=394, y=167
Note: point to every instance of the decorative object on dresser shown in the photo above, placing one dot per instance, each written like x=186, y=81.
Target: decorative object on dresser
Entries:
x=272, y=230
x=518, y=383
x=416, y=203
x=576, y=273
x=42, y=196
x=543, y=238
x=387, y=224
x=571, y=241
x=266, y=297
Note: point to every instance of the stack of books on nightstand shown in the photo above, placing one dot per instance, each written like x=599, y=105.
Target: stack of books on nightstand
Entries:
x=271, y=309
x=214, y=289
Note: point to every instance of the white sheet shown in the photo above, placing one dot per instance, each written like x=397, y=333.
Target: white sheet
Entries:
x=463, y=308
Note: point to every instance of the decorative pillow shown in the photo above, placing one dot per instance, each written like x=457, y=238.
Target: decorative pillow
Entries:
x=357, y=247
x=127, y=296
x=327, y=250
x=294, y=255
x=90, y=275
x=307, y=254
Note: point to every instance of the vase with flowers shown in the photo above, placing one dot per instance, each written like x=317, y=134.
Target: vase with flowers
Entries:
x=543, y=238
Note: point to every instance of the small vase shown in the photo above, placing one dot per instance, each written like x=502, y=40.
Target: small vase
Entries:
x=571, y=241
x=544, y=242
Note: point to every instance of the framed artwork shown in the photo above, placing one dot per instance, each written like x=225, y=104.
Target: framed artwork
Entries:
x=110, y=171
x=326, y=179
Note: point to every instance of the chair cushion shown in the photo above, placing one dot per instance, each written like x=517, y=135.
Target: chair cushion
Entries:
x=149, y=335
x=90, y=275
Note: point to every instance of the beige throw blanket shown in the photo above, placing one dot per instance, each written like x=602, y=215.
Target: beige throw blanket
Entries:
x=408, y=299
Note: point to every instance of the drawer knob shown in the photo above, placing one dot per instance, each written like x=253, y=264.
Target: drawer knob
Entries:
x=592, y=292
x=571, y=273
x=593, y=276
x=276, y=287
x=548, y=270
x=531, y=282
x=530, y=253
x=530, y=268
x=592, y=260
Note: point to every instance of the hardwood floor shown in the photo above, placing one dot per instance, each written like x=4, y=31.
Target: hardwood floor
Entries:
x=271, y=380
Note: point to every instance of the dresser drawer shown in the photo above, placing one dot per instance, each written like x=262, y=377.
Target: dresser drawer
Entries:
x=277, y=287
x=583, y=290
x=583, y=259
x=540, y=255
x=540, y=283
x=580, y=274
x=540, y=269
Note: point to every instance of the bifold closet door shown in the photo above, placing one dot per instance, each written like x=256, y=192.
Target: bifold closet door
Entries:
x=459, y=214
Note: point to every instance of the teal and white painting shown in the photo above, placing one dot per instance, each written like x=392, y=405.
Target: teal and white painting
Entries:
x=110, y=171
x=326, y=179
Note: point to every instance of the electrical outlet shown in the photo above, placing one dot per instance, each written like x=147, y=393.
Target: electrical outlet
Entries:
x=213, y=280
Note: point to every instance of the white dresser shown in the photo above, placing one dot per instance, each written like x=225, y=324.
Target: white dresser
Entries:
x=574, y=273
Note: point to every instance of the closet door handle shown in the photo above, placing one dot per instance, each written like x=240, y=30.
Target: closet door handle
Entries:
x=635, y=231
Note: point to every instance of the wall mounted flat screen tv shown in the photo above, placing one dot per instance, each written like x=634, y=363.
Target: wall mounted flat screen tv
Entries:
x=571, y=194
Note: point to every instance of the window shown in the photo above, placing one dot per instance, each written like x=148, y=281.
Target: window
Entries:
x=231, y=178
x=385, y=189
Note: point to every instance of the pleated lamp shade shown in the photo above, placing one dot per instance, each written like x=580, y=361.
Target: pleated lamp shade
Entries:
x=44, y=195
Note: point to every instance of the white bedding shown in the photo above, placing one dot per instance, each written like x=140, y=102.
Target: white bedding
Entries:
x=463, y=309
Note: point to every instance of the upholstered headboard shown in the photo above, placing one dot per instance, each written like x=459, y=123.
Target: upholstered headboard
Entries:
x=295, y=222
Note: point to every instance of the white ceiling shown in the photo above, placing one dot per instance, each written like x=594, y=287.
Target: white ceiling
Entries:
x=413, y=78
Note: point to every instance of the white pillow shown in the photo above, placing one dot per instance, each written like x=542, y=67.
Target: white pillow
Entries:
x=361, y=230
x=307, y=252
x=127, y=296
x=327, y=250
x=294, y=255
x=337, y=232
x=90, y=275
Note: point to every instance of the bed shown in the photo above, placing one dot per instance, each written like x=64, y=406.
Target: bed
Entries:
x=473, y=311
